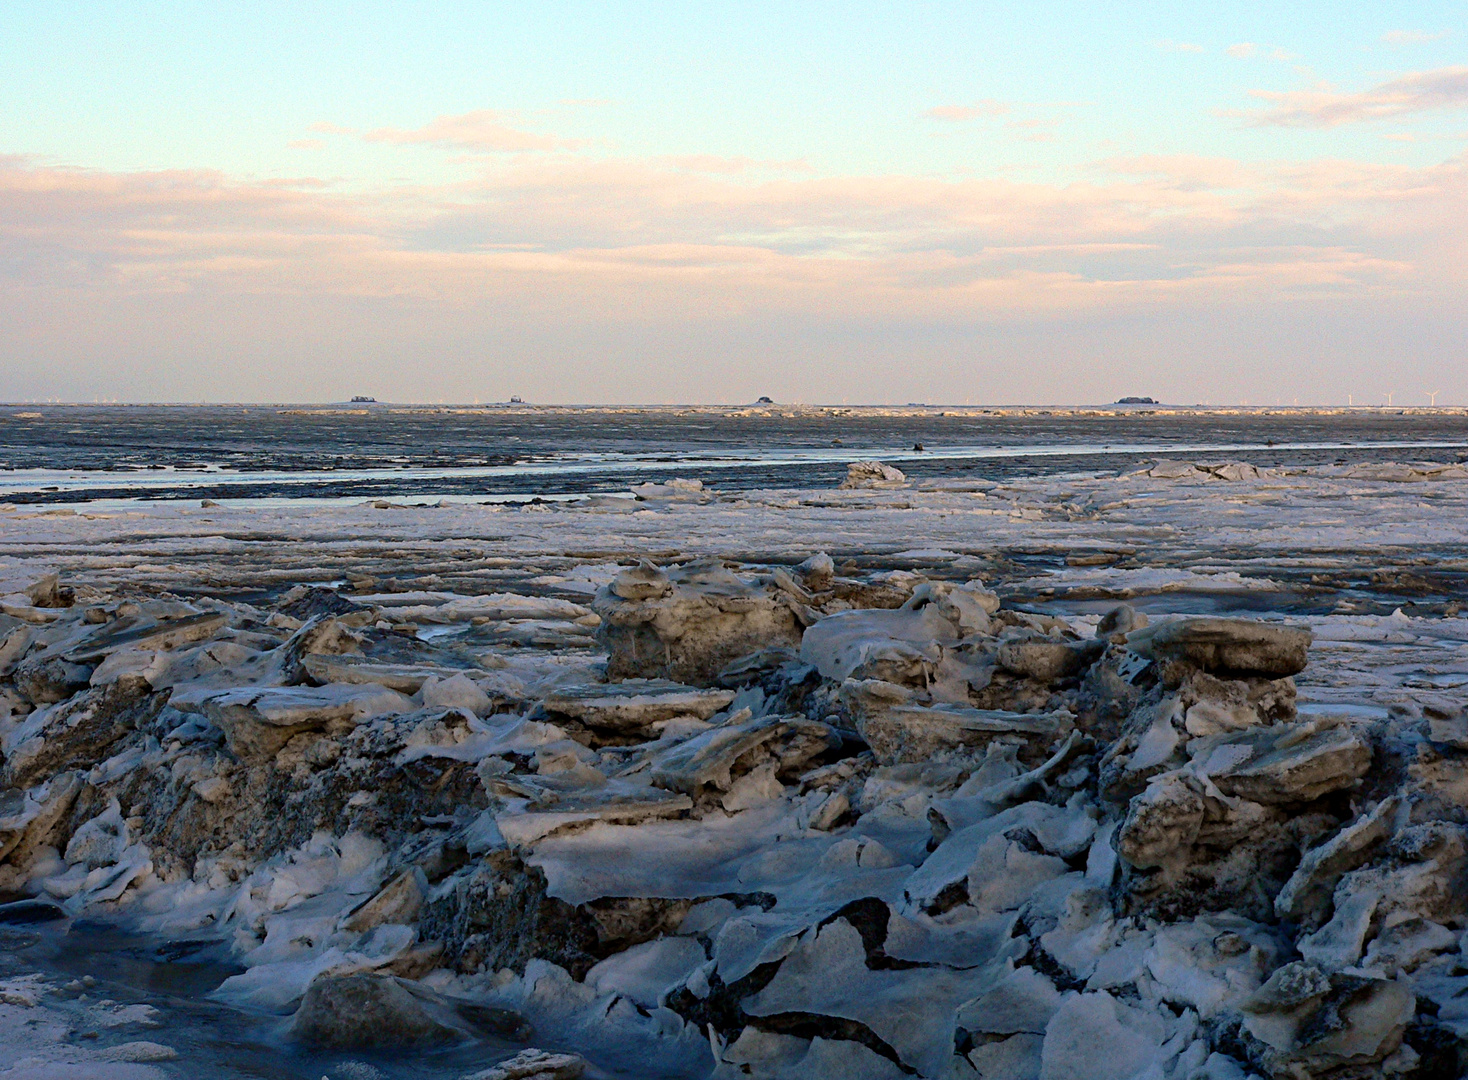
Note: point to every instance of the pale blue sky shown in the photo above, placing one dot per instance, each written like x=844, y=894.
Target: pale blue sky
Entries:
x=841, y=86
x=844, y=132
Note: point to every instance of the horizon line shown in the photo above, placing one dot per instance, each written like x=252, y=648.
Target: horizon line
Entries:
x=651, y=406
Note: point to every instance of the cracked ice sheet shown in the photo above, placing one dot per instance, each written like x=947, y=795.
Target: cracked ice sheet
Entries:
x=1374, y=662
x=38, y=1036
x=1308, y=518
x=653, y=1043
x=912, y=1010
x=36, y=1052
x=1127, y=582
x=762, y=849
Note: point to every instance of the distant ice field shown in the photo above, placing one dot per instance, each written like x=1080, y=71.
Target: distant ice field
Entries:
x=109, y=454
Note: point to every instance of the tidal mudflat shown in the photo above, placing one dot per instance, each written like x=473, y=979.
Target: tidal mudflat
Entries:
x=1152, y=770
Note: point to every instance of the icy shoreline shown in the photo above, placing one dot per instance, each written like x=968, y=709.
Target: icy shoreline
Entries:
x=930, y=804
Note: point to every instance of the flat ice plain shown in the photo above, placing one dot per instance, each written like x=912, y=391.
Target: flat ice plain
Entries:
x=364, y=784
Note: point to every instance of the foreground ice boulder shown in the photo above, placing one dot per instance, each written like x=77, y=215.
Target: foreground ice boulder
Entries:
x=889, y=645
x=688, y=623
x=367, y=1010
x=1224, y=646
x=873, y=474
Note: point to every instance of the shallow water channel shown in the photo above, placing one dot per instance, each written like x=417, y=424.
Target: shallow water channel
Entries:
x=89, y=964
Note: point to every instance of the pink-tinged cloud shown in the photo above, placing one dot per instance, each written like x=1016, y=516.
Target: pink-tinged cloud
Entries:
x=576, y=233
x=1246, y=49
x=731, y=166
x=1188, y=172
x=959, y=113
x=559, y=256
x=1033, y=129
x=1409, y=95
x=483, y=130
x=1413, y=37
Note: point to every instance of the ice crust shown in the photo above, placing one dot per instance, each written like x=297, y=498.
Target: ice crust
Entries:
x=678, y=791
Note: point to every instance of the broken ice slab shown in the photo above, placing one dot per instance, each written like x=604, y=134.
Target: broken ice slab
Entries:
x=28, y=817
x=911, y=1009
x=635, y=705
x=1226, y=646
x=1309, y=1023
x=1046, y=660
x=617, y=801
x=139, y=633
x=1031, y=840
x=910, y=733
x=258, y=721
x=710, y=758
x=1283, y=763
x=1307, y=894
x=404, y=678
x=445, y=607
x=77, y=733
x=708, y=618
x=876, y=644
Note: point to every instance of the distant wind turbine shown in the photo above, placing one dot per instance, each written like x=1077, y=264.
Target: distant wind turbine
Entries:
x=1432, y=396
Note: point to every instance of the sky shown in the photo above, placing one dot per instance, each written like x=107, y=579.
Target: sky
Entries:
x=1048, y=203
